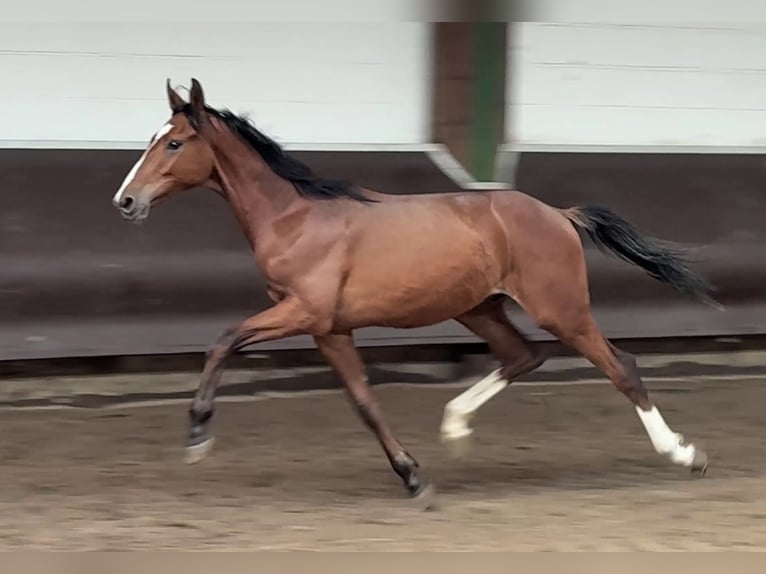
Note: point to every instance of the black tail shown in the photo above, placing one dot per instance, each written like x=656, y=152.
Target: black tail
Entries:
x=660, y=259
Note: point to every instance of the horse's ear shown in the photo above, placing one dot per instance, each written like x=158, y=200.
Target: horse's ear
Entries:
x=175, y=101
x=197, y=100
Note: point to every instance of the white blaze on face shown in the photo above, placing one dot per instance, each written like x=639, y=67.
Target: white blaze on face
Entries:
x=134, y=170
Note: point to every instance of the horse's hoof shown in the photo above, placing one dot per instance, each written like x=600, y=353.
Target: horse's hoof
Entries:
x=425, y=496
x=458, y=446
x=700, y=463
x=196, y=452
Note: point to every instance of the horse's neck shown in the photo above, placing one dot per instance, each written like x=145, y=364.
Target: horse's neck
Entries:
x=255, y=193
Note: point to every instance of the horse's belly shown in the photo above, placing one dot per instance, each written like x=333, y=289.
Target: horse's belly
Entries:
x=406, y=296
x=420, y=266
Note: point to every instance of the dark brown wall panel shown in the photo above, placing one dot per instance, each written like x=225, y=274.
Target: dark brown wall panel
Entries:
x=77, y=280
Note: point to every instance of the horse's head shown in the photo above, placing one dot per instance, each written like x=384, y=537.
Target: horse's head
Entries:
x=177, y=158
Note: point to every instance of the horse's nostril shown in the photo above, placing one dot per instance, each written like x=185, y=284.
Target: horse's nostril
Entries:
x=127, y=203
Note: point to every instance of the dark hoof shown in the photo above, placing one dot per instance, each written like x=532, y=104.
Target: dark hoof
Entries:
x=700, y=463
x=425, y=496
x=196, y=452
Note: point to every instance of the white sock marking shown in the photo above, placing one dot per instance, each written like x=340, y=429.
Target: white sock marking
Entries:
x=664, y=440
x=459, y=410
x=134, y=170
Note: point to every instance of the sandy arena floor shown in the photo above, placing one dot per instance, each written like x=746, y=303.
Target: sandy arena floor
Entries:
x=553, y=468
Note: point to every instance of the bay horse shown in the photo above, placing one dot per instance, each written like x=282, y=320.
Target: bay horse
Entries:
x=337, y=257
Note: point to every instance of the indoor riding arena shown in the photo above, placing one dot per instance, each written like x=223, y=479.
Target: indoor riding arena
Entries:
x=552, y=466
x=106, y=328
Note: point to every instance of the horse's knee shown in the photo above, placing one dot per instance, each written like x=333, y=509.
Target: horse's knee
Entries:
x=216, y=352
x=223, y=344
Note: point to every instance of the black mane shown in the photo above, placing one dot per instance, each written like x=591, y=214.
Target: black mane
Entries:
x=299, y=174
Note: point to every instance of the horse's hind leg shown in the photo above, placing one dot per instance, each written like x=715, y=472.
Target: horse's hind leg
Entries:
x=516, y=354
x=550, y=282
x=620, y=367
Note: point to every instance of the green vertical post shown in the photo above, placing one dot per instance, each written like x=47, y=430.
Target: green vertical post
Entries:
x=488, y=97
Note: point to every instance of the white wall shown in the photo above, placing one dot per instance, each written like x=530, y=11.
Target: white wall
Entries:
x=637, y=85
x=304, y=84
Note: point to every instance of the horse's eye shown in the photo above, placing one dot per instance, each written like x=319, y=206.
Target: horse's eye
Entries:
x=174, y=144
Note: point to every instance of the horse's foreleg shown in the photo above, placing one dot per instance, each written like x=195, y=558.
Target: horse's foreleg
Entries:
x=341, y=353
x=285, y=319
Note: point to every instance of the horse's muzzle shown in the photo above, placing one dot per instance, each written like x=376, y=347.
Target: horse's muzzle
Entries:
x=132, y=209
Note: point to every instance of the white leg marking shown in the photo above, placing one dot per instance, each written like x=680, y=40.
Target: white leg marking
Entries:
x=664, y=440
x=134, y=170
x=459, y=410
